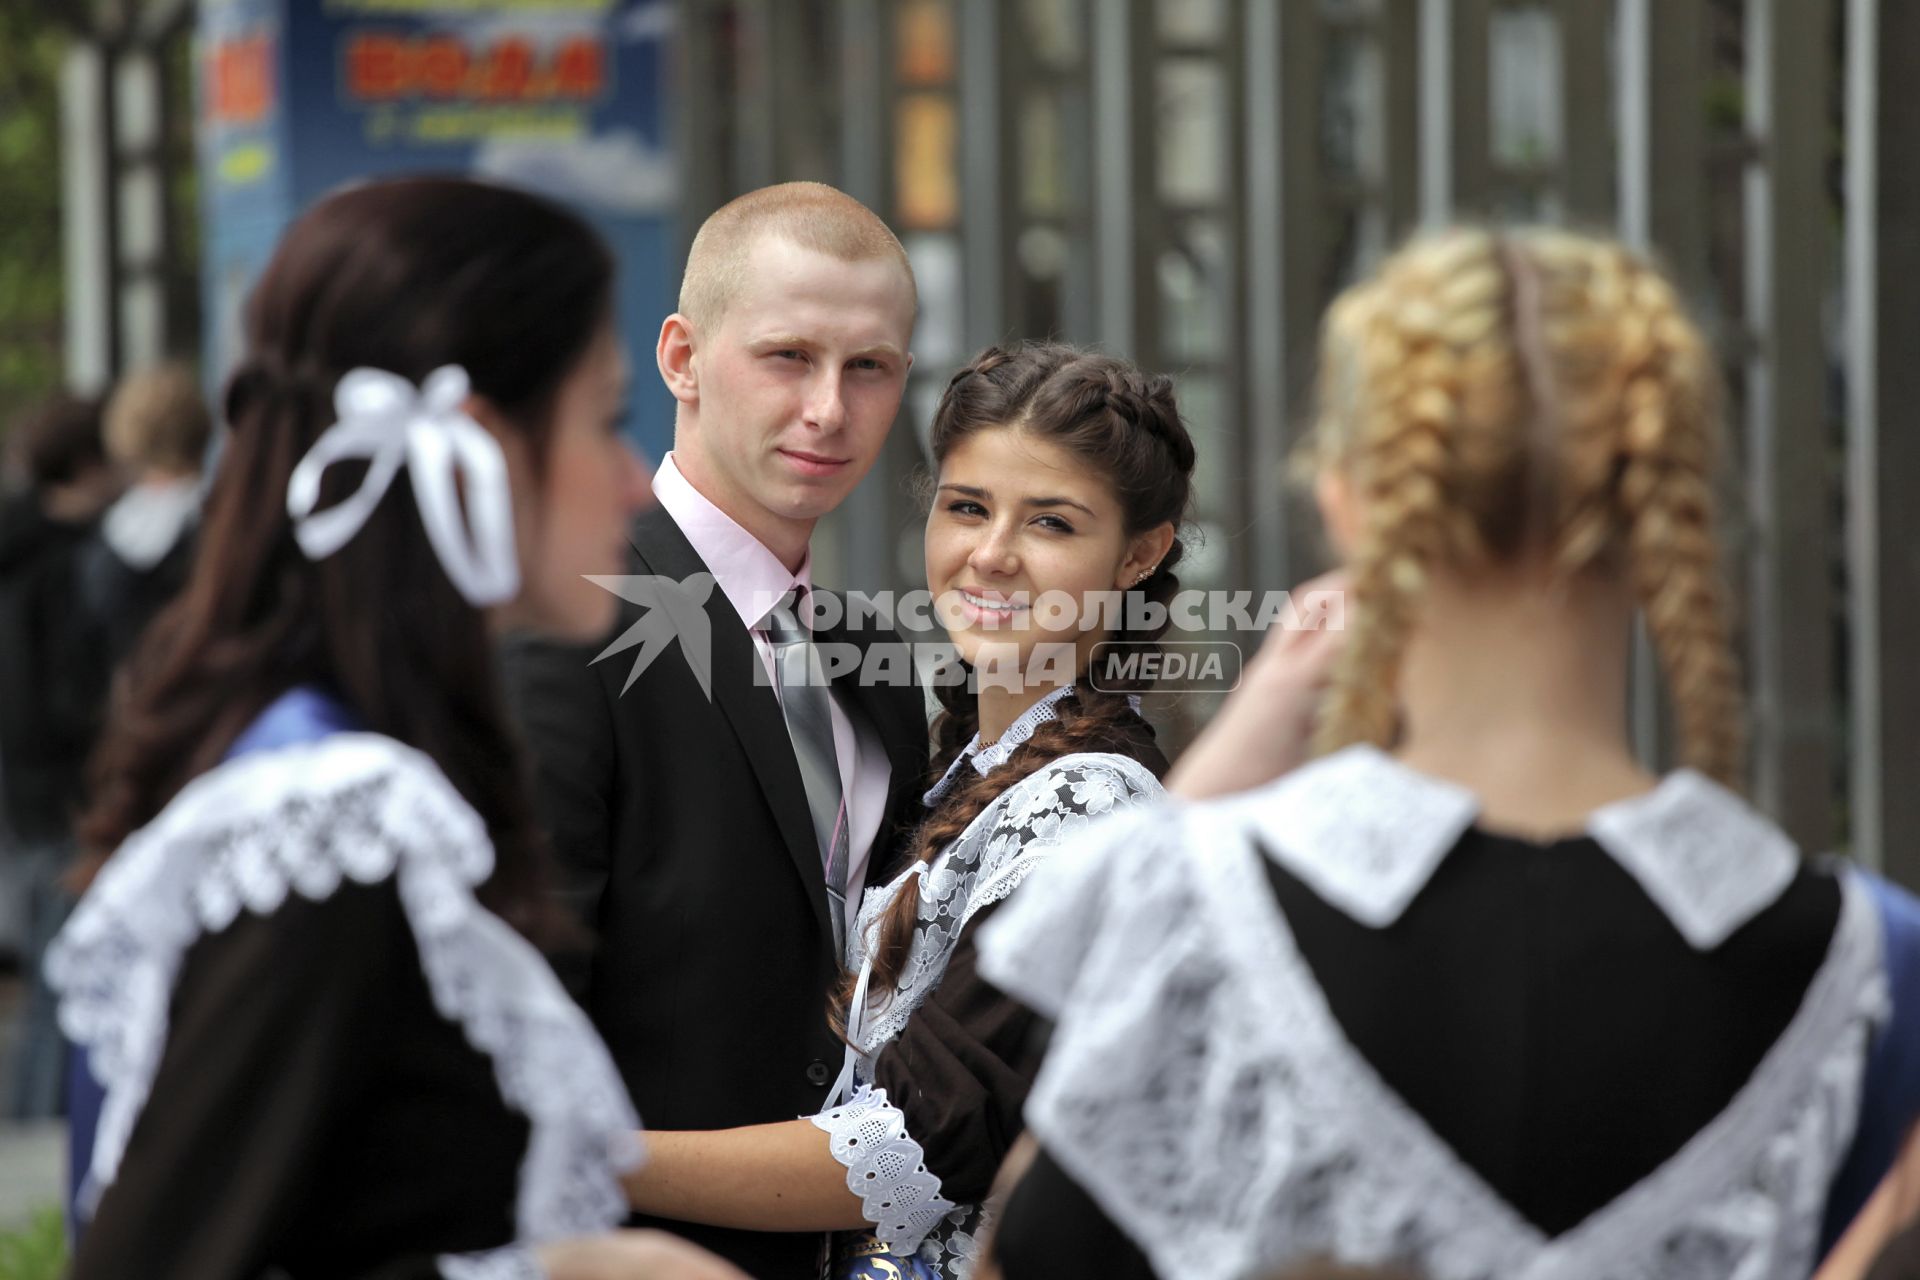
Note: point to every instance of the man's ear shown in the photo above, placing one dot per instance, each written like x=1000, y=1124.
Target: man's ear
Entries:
x=675, y=356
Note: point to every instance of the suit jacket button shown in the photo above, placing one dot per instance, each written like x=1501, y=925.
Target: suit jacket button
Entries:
x=818, y=1072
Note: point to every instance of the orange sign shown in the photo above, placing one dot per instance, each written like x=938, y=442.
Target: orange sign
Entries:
x=240, y=80
x=385, y=67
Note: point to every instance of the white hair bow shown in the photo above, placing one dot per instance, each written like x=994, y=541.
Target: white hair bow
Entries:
x=386, y=421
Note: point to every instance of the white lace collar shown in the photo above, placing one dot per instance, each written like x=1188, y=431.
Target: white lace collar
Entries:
x=1236, y=1129
x=1367, y=832
x=982, y=865
x=986, y=759
x=300, y=820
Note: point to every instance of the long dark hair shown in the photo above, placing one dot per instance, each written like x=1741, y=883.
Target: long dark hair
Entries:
x=1124, y=425
x=405, y=275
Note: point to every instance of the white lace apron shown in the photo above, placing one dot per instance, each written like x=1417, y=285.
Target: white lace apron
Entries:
x=1202, y=1092
x=886, y=1166
x=301, y=820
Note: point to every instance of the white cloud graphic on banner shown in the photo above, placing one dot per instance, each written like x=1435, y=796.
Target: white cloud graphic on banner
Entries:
x=615, y=172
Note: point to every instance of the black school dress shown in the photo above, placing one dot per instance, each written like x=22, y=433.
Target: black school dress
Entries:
x=1333, y=1018
x=935, y=1083
x=322, y=1057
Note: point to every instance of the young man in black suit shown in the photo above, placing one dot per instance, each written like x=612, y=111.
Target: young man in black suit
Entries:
x=712, y=837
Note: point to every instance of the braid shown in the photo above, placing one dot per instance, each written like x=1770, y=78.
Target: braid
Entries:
x=1087, y=720
x=1667, y=506
x=956, y=724
x=1453, y=415
x=1640, y=448
x=1406, y=434
x=1145, y=400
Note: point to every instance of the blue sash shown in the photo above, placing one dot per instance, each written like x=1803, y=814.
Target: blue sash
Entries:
x=865, y=1258
x=1890, y=1095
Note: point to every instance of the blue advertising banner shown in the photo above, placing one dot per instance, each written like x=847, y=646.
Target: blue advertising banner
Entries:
x=564, y=97
x=244, y=193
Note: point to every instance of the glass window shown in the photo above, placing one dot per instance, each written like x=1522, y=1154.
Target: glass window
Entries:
x=1193, y=21
x=1524, y=86
x=1194, y=132
x=927, y=193
x=924, y=42
x=1043, y=160
x=1193, y=290
x=937, y=334
x=1055, y=32
x=1350, y=115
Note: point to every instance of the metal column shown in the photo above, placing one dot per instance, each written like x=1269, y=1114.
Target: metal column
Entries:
x=1662, y=201
x=1455, y=158
x=1790, y=606
x=1883, y=379
x=1285, y=263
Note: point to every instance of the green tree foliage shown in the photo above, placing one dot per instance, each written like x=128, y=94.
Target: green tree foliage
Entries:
x=36, y=1252
x=31, y=283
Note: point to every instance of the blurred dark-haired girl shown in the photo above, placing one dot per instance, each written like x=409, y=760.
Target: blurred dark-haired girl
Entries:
x=305, y=971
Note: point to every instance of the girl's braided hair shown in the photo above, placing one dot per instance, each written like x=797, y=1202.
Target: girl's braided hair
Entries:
x=1491, y=396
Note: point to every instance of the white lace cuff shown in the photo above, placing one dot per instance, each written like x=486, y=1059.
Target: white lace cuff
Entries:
x=886, y=1168
x=510, y=1263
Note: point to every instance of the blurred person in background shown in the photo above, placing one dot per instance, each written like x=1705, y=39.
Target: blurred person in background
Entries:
x=13, y=907
x=52, y=684
x=157, y=429
x=13, y=465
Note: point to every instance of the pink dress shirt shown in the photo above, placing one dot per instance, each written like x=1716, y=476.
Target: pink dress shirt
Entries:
x=751, y=578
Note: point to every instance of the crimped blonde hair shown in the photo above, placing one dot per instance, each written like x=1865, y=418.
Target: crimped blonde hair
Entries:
x=1492, y=396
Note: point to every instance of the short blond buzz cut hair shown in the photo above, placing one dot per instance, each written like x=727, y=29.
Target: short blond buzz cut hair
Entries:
x=812, y=215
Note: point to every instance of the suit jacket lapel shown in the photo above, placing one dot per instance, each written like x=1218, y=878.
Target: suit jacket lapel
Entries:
x=750, y=707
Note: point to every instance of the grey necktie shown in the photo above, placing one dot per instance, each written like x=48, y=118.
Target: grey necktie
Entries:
x=804, y=704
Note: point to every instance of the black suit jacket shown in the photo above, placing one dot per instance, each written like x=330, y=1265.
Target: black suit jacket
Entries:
x=682, y=837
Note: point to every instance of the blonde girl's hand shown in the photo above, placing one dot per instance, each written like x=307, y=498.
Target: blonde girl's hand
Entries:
x=632, y=1255
x=1019, y=1159
x=1266, y=726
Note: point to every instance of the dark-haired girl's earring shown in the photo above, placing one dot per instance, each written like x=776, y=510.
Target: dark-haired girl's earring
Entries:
x=1145, y=574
